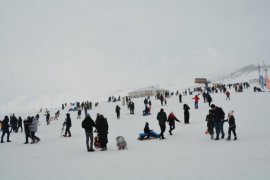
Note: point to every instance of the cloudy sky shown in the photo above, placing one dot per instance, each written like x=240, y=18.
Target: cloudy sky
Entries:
x=68, y=48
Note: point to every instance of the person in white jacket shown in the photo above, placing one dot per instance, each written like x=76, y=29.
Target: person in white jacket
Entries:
x=34, y=128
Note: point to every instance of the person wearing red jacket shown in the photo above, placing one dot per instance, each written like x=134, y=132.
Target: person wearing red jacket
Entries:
x=196, y=101
x=171, y=119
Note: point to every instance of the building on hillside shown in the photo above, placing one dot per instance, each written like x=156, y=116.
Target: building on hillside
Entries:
x=148, y=91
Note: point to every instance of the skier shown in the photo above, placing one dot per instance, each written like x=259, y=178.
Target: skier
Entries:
x=5, y=129
x=210, y=123
x=68, y=126
x=88, y=125
x=218, y=114
x=186, y=113
x=162, y=118
x=34, y=128
x=171, y=119
x=102, y=130
x=232, y=125
x=117, y=110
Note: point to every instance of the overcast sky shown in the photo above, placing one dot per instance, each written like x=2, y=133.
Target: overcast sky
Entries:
x=83, y=47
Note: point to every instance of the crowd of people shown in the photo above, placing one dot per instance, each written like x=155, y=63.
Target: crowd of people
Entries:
x=215, y=119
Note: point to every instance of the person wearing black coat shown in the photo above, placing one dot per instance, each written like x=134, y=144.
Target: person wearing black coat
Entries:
x=117, y=110
x=20, y=124
x=186, y=113
x=68, y=126
x=27, y=123
x=162, y=118
x=232, y=125
x=88, y=125
x=218, y=115
x=209, y=99
x=210, y=123
x=5, y=129
x=180, y=98
x=102, y=130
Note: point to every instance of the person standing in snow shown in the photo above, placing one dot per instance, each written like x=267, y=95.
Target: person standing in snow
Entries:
x=20, y=124
x=79, y=113
x=232, y=125
x=68, y=126
x=209, y=99
x=27, y=123
x=210, y=123
x=88, y=125
x=228, y=95
x=186, y=113
x=196, y=101
x=48, y=118
x=180, y=97
x=162, y=118
x=117, y=110
x=5, y=129
x=102, y=130
x=161, y=98
x=34, y=128
x=219, y=115
x=171, y=119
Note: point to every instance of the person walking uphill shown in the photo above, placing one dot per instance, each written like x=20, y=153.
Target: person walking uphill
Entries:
x=117, y=110
x=5, y=129
x=102, y=130
x=210, y=123
x=68, y=126
x=88, y=125
x=172, y=118
x=162, y=118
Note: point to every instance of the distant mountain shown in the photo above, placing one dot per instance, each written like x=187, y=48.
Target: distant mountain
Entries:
x=244, y=74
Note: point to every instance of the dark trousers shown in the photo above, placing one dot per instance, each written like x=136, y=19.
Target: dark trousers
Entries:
x=186, y=118
x=34, y=137
x=232, y=129
x=118, y=115
x=68, y=131
x=20, y=126
x=172, y=127
x=162, y=129
x=219, y=129
x=27, y=135
x=89, y=135
x=103, y=140
x=5, y=131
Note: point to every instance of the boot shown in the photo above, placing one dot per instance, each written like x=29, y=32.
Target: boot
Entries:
x=235, y=138
x=212, y=137
x=2, y=142
x=64, y=135
x=217, y=138
x=223, y=135
x=8, y=141
x=229, y=138
x=91, y=150
x=170, y=132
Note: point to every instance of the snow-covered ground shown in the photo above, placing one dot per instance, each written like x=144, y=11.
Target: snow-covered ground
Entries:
x=187, y=154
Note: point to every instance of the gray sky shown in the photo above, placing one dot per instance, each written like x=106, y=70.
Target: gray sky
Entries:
x=60, y=48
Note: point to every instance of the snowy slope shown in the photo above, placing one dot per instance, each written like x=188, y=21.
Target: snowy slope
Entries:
x=188, y=154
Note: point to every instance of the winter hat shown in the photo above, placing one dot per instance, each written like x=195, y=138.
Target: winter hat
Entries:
x=231, y=113
x=87, y=115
